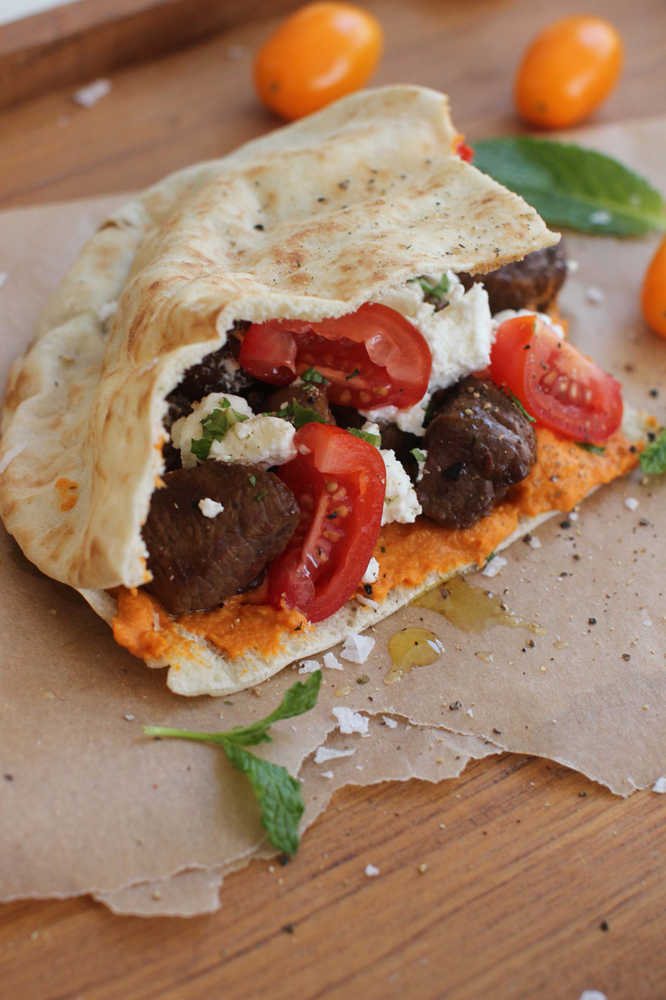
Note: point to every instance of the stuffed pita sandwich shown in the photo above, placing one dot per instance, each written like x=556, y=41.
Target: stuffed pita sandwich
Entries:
x=282, y=393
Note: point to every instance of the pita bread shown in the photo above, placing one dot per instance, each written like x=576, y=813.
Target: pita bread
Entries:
x=307, y=222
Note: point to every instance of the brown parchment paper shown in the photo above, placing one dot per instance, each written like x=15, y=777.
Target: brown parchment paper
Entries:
x=88, y=805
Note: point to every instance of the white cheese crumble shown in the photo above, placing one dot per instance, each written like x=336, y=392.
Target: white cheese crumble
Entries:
x=631, y=503
x=400, y=501
x=309, y=666
x=371, y=574
x=459, y=337
x=660, y=786
x=594, y=295
x=505, y=314
x=210, y=507
x=357, y=648
x=258, y=440
x=332, y=662
x=371, y=871
x=494, y=566
x=350, y=721
x=92, y=93
x=388, y=721
x=324, y=754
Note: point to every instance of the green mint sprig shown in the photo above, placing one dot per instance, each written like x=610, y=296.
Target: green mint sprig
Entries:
x=277, y=792
x=653, y=459
x=214, y=427
x=572, y=186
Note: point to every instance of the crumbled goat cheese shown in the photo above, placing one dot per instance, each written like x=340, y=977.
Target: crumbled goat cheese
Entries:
x=92, y=93
x=493, y=567
x=332, y=662
x=357, y=648
x=400, y=501
x=388, y=721
x=259, y=440
x=324, y=754
x=350, y=721
x=594, y=295
x=3, y=278
x=209, y=507
x=660, y=786
x=631, y=503
x=309, y=666
x=371, y=871
x=106, y=310
x=459, y=337
x=371, y=571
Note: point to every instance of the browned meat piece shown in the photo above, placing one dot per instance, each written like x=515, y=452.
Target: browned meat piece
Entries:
x=306, y=394
x=531, y=283
x=401, y=442
x=217, y=372
x=198, y=561
x=478, y=444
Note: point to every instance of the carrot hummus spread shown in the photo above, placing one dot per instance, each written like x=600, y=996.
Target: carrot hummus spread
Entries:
x=563, y=474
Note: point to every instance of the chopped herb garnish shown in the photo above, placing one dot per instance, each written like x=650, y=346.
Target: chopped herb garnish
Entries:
x=419, y=455
x=297, y=415
x=491, y=555
x=214, y=426
x=373, y=439
x=653, y=459
x=260, y=495
x=312, y=375
x=516, y=402
x=352, y=374
x=588, y=446
x=278, y=793
x=433, y=292
x=252, y=480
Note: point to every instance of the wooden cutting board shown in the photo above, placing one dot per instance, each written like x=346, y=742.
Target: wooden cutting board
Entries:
x=537, y=882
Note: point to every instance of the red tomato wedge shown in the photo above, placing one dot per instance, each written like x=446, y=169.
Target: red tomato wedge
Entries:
x=373, y=357
x=556, y=384
x=339, y=482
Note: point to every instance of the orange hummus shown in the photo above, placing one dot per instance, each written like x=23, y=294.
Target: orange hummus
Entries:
x=563, y=474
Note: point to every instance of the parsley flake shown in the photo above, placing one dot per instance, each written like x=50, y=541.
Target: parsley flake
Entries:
x=214, y=427
x=373, y=439
x=433, y=292
x=312, y=375
x=419, y=455
x=588, y=446
x=653, y=459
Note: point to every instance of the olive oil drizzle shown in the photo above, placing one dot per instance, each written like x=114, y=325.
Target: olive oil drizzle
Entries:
x=471, y=608
x=411, y=647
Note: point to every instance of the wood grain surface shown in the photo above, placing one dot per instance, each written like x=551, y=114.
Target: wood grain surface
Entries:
x=538, y=883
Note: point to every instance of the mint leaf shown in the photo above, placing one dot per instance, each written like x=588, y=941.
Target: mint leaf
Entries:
x=588, y=446
x=653, y=459
x=373, y=439
x=433, y=292
x=278, y=794
x=312, y=375
x=419, y=455
x=574, y=187
x=516, y=402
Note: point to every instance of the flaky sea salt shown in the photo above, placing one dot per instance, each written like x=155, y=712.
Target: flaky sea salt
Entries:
x=660, y=786
x=594, y=295
x=350, y=721
x=106, y=309
x=492, y=568
x=371, y=871
x=325, y=754
x=92, y=93
x=534, y=542
x=326, y=774
x=332, y=662
x=3, y=277
x=388, y=721
x=372, y=571
x=357, y=648
x=592, y=995
x=631, y=503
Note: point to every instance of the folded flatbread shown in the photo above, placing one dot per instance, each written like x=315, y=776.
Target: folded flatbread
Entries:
x=308, y=222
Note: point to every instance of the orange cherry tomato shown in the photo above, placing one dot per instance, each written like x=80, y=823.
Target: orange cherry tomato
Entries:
x=318, y=54
x=653, y=296
x=567, y=71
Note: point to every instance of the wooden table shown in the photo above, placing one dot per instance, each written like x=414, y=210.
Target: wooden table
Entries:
x=540, y=884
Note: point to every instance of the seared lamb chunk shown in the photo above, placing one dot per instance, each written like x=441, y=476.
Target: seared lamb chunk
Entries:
x=478, y=445
x=305, y=394
x=197, y=561
x=217, y=372
x=531, y=283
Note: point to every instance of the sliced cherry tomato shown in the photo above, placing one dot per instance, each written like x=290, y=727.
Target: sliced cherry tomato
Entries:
x=567, y=71
x=559, y=387
x=373, y=357
x=339, y=482
x=319, y=53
